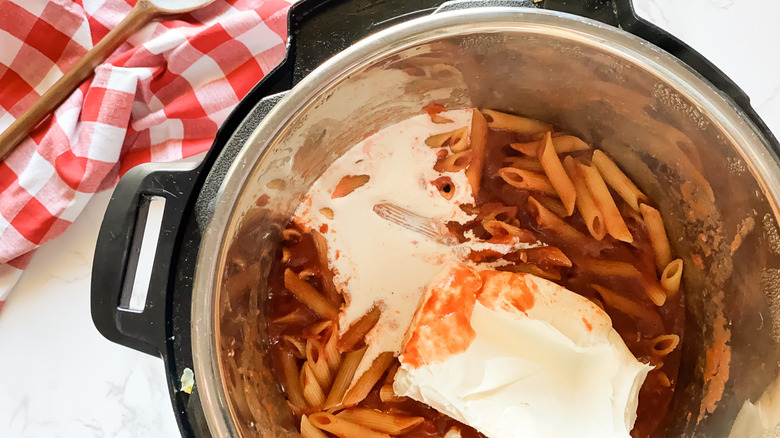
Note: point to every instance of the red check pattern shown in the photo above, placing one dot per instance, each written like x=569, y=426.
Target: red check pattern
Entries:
x=160, y=97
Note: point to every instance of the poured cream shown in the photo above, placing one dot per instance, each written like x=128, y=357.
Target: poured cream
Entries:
x=376, y=262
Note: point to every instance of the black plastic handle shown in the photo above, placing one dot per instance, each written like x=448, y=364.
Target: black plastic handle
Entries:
x=117, y=252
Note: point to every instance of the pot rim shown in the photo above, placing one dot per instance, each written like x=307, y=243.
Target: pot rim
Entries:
x=753, y=147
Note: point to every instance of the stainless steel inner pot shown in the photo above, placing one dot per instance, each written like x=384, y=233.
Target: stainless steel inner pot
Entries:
x=679, y=139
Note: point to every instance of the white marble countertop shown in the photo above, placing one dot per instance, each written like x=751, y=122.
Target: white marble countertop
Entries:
x=60, y=378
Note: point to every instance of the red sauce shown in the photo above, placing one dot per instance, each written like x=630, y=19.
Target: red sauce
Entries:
x=654, y=397
x=434, y=109
x=444, y=326
x=262, y=201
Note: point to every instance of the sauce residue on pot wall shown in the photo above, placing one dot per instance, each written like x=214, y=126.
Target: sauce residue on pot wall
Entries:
x=716, y=362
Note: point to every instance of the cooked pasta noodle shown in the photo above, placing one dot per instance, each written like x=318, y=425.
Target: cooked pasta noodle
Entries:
x=618, y=180
x=608, y=268
x=454, y=162
x=308, y=295
x=343, y=428
x=387, y=395
x=312, y=391
x=478, y=140
x=553, y=168
x=627, y=306
x=664, y=344
x=547, y=219
x=552, y=204
x=585, y=205
x=308, y=430
x=526, y=163
x=291, y=380
x=380, y=421
x=299, y=347
x=509, y=122
x=368, y=379
x=317, y=361
x=658, y=239
x=613, y=221
x=344, y=377
x=349, y=184
x=358, y=330
x=457, y=140
x=561, y=143
x=525, y=180
x=671, y=276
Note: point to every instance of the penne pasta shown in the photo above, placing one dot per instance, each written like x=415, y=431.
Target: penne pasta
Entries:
x=312, y=391
x=328, y=287
x=554, y=170
x=501, y=231
x=671, y=276
x=368, y=379
x=569, y=143
x=298, y=346
x=525, y=180
x=508, y=122
x=327, y=212
x=292, y=384
x=478, y=140
x=547, y=219
x=655, y=292
x=332, y=353
x=629, y=307
x=663, y=379
x=547, y=255
x=457, y=140
x=308, y=430
x=529, y=148
x=658, y=238
x=454, y=162
x=618, y=180
x=526, y=163
x=613, y=221
x=343, y=428
x=297, y=315
x=552, y=204
x=608, y=268
x=388, y=395
x=663, y=345
x=309, y=296
x=357, y=332
x=344, y=377
x=585, y=204
x=315, y=358
x=315, y=329
x=561, y=143
x=380, y=421
x=349, y=184
x=528, y=268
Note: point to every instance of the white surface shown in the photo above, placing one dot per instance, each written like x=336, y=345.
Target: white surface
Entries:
x=60, y=378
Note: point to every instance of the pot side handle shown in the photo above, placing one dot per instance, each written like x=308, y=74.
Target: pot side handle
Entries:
x=118, y=249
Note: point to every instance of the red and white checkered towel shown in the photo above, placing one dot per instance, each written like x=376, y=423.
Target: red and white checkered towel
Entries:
x=161, y=96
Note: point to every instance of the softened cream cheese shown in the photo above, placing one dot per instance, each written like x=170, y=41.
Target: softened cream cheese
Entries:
x=514, y=355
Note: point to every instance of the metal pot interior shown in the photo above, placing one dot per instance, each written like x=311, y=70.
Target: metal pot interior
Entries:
x=676, y=137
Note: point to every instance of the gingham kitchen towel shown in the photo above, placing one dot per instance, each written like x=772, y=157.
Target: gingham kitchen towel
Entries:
x=161, y=96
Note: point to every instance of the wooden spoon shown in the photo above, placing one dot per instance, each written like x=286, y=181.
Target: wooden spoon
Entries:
x=142, y=13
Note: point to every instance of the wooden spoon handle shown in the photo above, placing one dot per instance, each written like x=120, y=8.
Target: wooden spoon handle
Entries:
x=141, y=14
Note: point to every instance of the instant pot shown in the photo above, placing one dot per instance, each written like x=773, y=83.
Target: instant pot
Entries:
x=674, y=123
